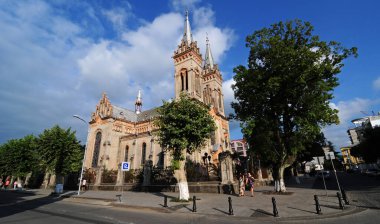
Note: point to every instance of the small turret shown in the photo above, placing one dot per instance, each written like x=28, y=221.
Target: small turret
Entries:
x=187, y=35
x=209, y=60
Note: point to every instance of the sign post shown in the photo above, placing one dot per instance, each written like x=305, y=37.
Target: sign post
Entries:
x=319, y=159
x=330, y=156
x=124, y=167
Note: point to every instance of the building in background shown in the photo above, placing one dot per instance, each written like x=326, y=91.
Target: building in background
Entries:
x=356, y=135
x=349, y=161
x=240, y=147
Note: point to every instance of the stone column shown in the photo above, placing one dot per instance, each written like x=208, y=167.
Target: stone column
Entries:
x=147, y=173
x=99, y=173
x=120, y=175
x=226, y=168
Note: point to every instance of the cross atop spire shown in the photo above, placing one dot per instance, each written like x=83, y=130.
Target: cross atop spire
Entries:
x=187, y=35
x=138, y=103
x=209, y=60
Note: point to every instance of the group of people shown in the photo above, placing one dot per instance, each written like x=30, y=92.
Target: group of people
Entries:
x=246, y=181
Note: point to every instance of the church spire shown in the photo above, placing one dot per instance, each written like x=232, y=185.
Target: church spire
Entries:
x=187, y=36
x=209, y=60
x=138, y=104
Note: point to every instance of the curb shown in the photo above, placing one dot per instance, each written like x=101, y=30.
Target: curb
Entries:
x=121, y=205
x=349, y=210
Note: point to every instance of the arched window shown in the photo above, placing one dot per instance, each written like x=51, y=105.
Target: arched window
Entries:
x=95, y=156
x=161, y=159
x=212, y=135
x=126, y=153
x=187, y=81
x=182, y=84
x=143, y=153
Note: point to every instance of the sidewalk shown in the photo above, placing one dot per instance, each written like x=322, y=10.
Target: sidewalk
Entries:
x=299, y=205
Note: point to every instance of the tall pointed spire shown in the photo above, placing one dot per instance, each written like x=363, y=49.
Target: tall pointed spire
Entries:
x=187, y=36
x=138, y=103
x=209, y=60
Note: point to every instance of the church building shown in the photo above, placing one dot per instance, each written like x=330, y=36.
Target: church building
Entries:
x=120, y=135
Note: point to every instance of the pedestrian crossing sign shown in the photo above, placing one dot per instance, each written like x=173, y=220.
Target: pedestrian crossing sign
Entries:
x=125, y=166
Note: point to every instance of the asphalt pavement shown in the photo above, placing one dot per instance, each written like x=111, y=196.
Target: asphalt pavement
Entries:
x=297, y=204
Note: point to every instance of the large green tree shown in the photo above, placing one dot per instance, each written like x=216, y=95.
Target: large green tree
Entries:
x=19, y=157
x=60, y=151
x=184, y=125
x=283, y=94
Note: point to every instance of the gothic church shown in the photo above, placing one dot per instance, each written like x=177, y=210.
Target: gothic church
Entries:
x=117, y=134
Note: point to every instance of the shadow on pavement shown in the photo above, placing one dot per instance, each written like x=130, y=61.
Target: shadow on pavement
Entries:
x=262, y=212
x=302, y=210
x=219, y=210
x=13, y=202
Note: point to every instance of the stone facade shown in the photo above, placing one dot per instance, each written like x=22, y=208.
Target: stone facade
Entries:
x=117, y=134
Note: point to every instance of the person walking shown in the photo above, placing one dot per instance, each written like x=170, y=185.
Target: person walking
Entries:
x=250, y=181
x=7, y=182
x=84, y=186
x=15, y=185
x=241, y=185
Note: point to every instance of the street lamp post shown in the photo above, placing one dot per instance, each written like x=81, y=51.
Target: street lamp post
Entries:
x=84, y=156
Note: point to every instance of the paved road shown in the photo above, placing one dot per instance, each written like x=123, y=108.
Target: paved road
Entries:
x=362, y=190
x=44, y=209
x=39, y=207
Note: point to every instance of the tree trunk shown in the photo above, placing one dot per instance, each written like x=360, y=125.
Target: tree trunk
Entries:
x=180, y=176
x=278, y=176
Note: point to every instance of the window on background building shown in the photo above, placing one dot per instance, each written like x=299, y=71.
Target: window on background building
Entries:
x=143, y=153
x=95, y=156
x=126, y=153
x=239, y=147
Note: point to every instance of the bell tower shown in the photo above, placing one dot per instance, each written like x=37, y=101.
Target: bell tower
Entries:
x=212, y=82
x=188, y=65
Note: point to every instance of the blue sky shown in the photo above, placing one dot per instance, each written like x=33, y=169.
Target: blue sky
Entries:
x=58, y=57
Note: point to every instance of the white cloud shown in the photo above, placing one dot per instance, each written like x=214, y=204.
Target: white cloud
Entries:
x=179, y=5
x=54, y=66
x=348, y=110
x=376, y=84
x=228, y=95
x=119, y=16
x=203, y=17
x=235, y=129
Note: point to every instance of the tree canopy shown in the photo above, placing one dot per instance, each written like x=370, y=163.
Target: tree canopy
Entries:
x=183, y=124
x=60, y=150
x=283, y=94
x=56, y=150
x=19, y=156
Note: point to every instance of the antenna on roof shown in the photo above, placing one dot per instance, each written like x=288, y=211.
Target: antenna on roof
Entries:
x=365, y=113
